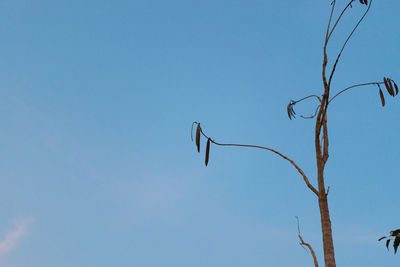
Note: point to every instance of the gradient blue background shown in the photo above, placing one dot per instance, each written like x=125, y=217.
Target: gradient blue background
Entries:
x=96, y=103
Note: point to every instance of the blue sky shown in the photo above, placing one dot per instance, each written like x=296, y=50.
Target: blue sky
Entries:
x=97, y=166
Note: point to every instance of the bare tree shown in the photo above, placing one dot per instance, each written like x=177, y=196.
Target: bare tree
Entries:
x=321, y=129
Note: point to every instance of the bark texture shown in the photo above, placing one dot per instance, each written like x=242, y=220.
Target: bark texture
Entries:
x=329, y=254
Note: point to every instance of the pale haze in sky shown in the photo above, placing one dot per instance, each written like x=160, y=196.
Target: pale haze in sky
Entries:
x=96, y=103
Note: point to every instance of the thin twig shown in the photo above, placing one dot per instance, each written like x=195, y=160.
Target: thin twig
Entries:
x=329, y=23
x=345, y=43
x=302, y=243
x=311, y=116
x=305, y=178
x=325, y=61
x=304, y=98
x=337, y=21
x=353, y=86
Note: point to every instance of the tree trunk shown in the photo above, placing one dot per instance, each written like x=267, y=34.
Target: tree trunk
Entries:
x=322, y=157
x=329, y=254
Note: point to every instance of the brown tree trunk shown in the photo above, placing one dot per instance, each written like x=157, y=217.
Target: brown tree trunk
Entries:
x=322, y=157
x=329, y=254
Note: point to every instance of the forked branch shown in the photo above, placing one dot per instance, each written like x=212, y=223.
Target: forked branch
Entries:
x=337, y=21
x=305, y=178
x=347, y=40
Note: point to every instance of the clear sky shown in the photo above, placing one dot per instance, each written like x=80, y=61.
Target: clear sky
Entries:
x=96, y=163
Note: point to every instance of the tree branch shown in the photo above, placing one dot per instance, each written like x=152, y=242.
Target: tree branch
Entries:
x=337, y=21
x=305, y=178
x=291, y=112
x=326, y=142
x=329, y=23
x=353, y=86
x=304, y=98
x=345, y=43
x=325, y=60
x=302, y=243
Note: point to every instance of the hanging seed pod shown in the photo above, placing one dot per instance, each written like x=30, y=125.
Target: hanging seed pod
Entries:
x=288, y=111
x=382, y=97
x=207, y=151
x=198, y=137
x=292, y=111
x=395, y=87
x=391, y=86
x=366, y=2
x=388, y=87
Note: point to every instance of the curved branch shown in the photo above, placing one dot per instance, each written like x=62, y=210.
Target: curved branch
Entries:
x=310, y=186
x=313, y=115
x=345, y=43
x=292, y=113
x=302, y=243
x=304, y=98
x=353, y=86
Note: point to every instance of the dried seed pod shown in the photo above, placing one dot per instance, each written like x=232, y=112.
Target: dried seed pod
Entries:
x=288, y=111
x=382, y=97
x=198, y=137
x=395, y=87
x=207, y=151
x=388, y=87
x=391, y=86
x=366, y=2
x=293, y=112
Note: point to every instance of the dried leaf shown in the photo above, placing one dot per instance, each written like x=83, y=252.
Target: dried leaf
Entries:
x=366, y=2
x=198, y=137
x=207, y=151
x=382, y=97
x=387, y=243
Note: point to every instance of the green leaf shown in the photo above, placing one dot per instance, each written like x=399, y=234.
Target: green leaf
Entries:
x=396, y=244
x=395, y=232
x=383, y=237
x=387, y=243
